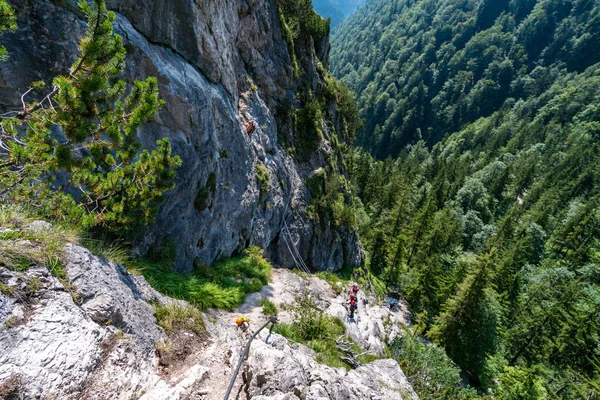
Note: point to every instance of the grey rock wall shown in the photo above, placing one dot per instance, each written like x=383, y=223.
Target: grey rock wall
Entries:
x=102, y=347
x=220, y=64
x=278, y=371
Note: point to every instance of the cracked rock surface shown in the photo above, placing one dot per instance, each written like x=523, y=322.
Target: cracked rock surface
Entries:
x=276, y=371
x=96, y=337
x=98, y=344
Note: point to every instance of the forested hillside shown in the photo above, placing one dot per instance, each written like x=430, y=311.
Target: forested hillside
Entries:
x=493, y=236
x=423, y=69
x=487, y=216
x=337, y=10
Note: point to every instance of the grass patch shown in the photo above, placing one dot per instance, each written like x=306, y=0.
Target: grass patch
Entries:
x=301, y=274
x=33, y=284
x=23, y=246
x=57, y=269
x=378, y=285
x=262, y=177
x=176, y=316
x=268, y=307
x=223, y=285
x=116, y=252
x=327, y=353
x=370, y=281
x=318, y=331
x=10, y=235
x=337, y=283
x=12, y=322
x=6, y=290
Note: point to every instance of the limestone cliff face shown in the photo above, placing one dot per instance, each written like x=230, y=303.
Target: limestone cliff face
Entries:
x=220, y=64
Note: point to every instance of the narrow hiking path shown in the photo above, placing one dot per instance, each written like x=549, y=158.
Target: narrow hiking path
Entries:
x=206, y=370
x=372, y=326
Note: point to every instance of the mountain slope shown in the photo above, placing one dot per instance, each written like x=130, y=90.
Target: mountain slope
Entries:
x=493, y=236
x=337, y=10
x=83, y=327
x=423, y=69
x=229, y=76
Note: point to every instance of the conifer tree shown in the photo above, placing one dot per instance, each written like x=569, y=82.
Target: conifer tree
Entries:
x=85, y=129
x=468, y=325
x=7, y=23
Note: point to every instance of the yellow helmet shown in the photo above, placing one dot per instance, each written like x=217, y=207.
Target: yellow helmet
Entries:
x=239, y=320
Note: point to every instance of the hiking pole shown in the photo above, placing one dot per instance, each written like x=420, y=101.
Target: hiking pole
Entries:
x=271, y=320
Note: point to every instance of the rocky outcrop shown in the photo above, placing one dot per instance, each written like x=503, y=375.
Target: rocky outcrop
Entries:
x=374, y=323
x=220, y=65
x=276, y=371
x=94, y=337
x=63, y=346
x=93, y=334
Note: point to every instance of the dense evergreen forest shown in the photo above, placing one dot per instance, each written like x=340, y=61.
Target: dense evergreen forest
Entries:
x=487, y=218
x=424, y=69
x=493, y=238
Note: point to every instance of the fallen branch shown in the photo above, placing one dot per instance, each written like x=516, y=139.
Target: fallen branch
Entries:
x=345, y=346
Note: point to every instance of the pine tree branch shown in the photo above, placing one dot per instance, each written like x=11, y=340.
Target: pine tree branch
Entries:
x=28, y=111
x=94, y=34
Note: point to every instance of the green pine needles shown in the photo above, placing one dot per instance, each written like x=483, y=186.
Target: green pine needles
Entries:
x=74, y=155
x=7, y=23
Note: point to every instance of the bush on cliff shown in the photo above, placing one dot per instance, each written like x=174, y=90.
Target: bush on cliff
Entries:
x=72, y=153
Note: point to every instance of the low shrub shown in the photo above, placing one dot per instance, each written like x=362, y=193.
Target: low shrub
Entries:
x=429, y=370
x=262, y=177
x=22, y=247
x=318, y=331
x=268, y=307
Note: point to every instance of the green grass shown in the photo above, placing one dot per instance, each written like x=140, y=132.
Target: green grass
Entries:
x=378, y=285
x=299, y=273
x=116, y=252
x=268, y=307
x=6, y=290
x=369, y=280
x=318, y=331
x=262, y=177
x=327, y=353
x=175, y=316
x=324, y=346
x=57, y=269
x=10, y=235
x=223, y=285
x=22, y=248
x=333, y=280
